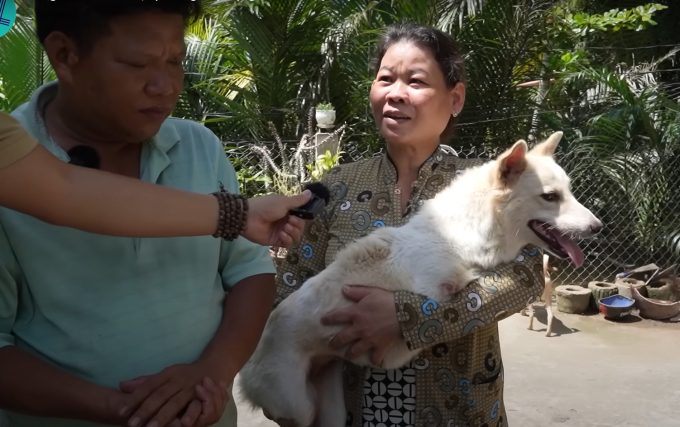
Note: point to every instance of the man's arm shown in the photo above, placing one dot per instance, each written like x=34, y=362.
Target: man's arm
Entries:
x=494, y=297
x=31, y=386
x=246, y=310
x=249, y=279
x=247, y=272
x=248, y=275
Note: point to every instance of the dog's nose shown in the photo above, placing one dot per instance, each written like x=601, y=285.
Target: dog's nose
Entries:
x=596, y=227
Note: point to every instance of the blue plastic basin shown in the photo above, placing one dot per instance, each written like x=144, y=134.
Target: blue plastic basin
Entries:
x=616, y=306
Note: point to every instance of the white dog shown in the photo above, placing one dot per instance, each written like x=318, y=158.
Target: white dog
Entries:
x=482, y=219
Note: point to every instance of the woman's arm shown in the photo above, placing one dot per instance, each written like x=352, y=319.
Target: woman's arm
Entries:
x=374, y=324
x=494, y=297
x=53, y=191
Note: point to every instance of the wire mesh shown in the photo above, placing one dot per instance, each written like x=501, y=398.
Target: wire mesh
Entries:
x=637, y=200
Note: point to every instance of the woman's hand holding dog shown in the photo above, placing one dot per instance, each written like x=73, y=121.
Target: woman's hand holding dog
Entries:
x=373, y=323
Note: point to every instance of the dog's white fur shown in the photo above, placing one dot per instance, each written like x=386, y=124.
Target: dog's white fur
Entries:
x=476, y=223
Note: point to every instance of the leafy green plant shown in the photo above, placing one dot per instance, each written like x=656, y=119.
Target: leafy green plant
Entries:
x=287, y=167
x=252, y=182
x=324, y=162
x=636, y=19
x=23, y=63
x=572, y=32
x=324, y=106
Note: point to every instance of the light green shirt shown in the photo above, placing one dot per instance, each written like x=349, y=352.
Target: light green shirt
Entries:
x=108, y=309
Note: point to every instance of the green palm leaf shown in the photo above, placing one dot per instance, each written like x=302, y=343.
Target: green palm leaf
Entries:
x=23, y=64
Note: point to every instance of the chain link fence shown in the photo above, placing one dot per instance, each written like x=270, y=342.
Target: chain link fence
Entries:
x=636, y=195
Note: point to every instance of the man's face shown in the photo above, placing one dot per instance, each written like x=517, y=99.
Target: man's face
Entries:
x=131, y=78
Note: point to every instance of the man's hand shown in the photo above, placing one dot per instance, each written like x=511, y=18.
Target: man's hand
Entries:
x=268, y=222
x=183, y=392
x=209, y=407
x=373, y=323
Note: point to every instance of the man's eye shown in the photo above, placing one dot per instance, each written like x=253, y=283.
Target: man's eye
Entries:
x=135, y=64
x=550, y=197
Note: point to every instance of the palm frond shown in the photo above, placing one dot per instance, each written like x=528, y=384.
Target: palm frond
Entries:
x=23, y=64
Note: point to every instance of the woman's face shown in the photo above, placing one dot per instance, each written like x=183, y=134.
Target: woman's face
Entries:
x=409, y=97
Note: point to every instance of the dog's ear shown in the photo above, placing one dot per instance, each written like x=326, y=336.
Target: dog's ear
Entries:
x=512, y=163
x=549, y=146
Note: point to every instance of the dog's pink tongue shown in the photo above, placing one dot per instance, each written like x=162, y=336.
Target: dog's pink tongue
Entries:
x=572, y=249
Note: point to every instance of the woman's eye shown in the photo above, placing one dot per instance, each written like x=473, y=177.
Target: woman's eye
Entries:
x=416, y=81
x=385, y=79
x=550, y=197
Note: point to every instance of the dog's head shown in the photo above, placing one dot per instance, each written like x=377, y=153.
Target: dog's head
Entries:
x=536, y=200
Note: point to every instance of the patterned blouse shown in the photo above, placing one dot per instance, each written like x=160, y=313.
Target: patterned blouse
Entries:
x=457, y=380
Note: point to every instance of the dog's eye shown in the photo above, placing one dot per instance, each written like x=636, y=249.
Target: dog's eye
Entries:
x=550, y=197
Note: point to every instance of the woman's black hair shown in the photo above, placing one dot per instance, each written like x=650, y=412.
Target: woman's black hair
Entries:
x=442, y=46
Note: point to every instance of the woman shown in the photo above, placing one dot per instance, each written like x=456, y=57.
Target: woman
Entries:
x=457, y=380
x=34, y=182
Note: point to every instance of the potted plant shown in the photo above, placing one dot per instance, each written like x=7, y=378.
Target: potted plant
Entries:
x=325, y=115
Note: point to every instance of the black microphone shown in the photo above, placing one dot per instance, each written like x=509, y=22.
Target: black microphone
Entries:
x=320, y=198
x=85, y=156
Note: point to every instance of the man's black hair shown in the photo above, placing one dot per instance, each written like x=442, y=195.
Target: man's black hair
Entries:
x=85, y=20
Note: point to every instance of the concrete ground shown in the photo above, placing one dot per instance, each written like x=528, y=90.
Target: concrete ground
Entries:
x=594, y=373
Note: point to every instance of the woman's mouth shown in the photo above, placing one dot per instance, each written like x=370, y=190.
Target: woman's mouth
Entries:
x=395, y=117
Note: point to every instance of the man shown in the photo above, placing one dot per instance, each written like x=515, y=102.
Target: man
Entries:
x=98, y=329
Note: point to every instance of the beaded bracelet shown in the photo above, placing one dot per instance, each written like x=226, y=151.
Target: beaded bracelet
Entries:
x=233, y=214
